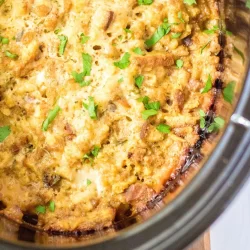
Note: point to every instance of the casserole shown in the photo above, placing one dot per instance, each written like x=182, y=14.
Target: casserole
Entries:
x=201, y=180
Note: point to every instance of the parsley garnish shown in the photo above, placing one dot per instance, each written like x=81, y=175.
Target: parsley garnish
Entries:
x=176, y=35
x=127, y=30
x=92, y=108
x=120, y=80
x=1, y=2
x=84, y=38
x=208, y=85
x=179, y=63
x=52, y=206
x=51, y=116
x=228, y=92
x=4, y=40
x=202, y=119
x=124, y=62
x=145, y=2
x=248, y=4
x=92, y=154
x=228, y=33
x=190, y=2
x=149, y=105
x=139, y=80
x=138, y=51
x=203, y=47
x=161, y=31
x=41, y=209
x=79, y=78
x=212, y=31
x=4, y=132
x=89, y=182
x=11, y=55
x=87, y=65
x=63, y=42
x=163, y=128
x=147, y=113
x=240, y=53
x=57, y=31
x=180, y=17
x=217, y=124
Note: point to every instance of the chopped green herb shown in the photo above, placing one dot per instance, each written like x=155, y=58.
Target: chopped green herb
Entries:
x=229, y=33
x=124, y=62
x=89, y=182
x=5, y=40
x=138, y=51
x=139, y=80
x=248, y=4
x=92, y=154
x=11, y=55
x=202, y=113
x=149, y=105
x=145, y=2
x=179, y=63
x=212, y=31
x=176, y=35
x=154, y=105
x=216, y=125
x=57, y=31
x=147, y=113
x=92, y=108
x=240, y=53
x=121, y=80
x=84, y=38
x=203, y=47
x=127, y=30
x=163, y=128
x=63, y=42
x=79, y=78
x=87, y=64
x=4, y=132
x=1, y=2
x=208, y=85
x=41, y=209
x=180, y=17
x=52, y=206
x=51, y=117
x=189, y=2
x=202, y=119
x=228, y=92
x=161, y=31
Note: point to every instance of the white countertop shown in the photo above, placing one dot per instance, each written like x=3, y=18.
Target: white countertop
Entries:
x=231, y=231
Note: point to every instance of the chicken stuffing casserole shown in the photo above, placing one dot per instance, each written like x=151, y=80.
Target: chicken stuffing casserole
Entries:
x=100, y=102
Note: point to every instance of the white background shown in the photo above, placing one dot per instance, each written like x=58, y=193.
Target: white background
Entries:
x=231, y=231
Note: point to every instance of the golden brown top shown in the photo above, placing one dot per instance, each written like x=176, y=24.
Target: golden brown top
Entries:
x=100, y=101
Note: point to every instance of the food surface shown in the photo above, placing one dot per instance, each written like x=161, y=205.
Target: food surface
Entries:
x=100, y=102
